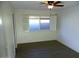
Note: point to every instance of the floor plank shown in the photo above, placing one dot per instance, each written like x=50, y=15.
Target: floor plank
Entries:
x=47, y=49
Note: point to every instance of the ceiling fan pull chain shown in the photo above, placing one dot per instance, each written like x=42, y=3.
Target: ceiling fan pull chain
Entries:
x=50, y=12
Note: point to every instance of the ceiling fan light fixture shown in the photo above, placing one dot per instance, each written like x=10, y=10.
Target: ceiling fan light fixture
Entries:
x=50, y=6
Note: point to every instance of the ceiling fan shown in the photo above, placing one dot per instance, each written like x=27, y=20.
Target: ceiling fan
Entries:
x=52, y=4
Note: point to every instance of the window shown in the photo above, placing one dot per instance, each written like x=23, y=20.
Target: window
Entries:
x=39, y=23
x=34, y=24
x=44, y=24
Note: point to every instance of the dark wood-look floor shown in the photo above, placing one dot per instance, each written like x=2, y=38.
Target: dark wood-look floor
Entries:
x=48, y=49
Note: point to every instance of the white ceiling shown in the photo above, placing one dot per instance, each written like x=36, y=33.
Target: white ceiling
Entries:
x=36, y=5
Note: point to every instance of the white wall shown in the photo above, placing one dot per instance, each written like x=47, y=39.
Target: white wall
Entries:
x=26, y=37
x=2, y=40
x=6, y=32
x=68, y=27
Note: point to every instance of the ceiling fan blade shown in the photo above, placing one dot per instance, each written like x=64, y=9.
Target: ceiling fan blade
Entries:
x=44, y=2
x=58, y=5
x=57, y=2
